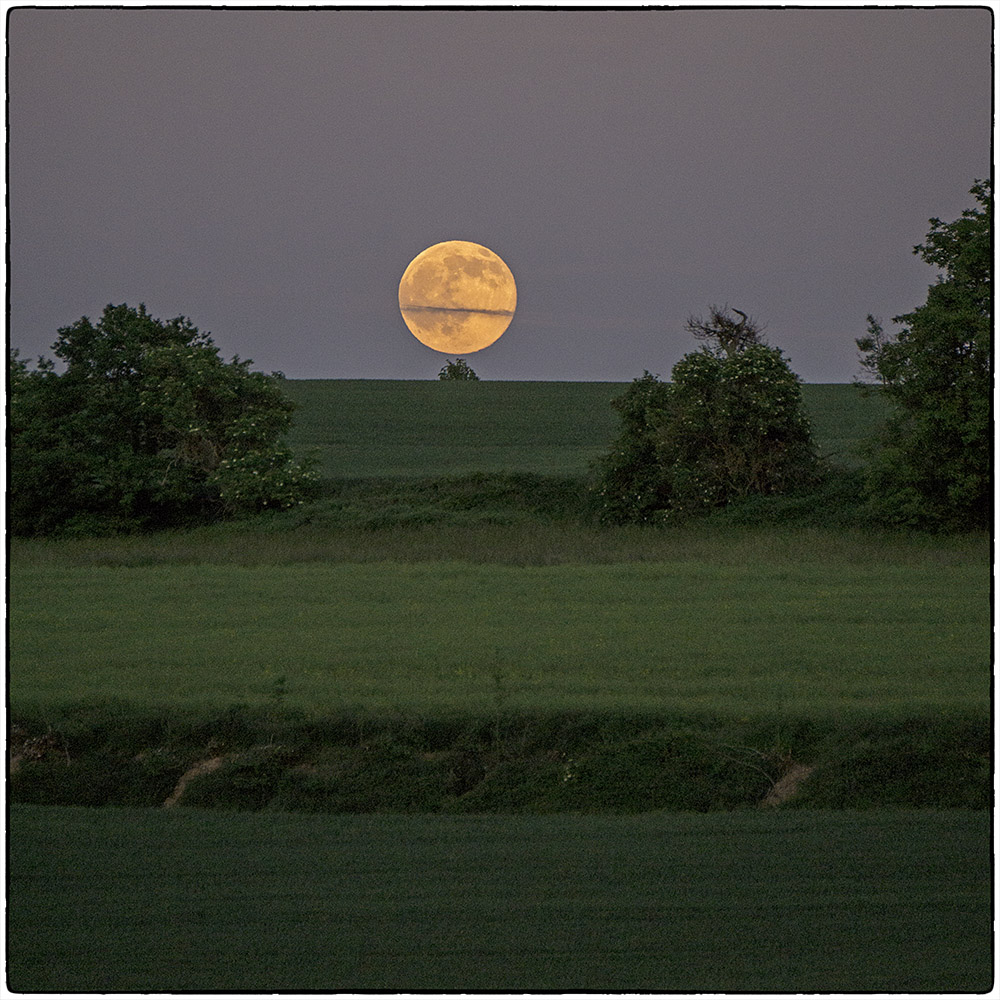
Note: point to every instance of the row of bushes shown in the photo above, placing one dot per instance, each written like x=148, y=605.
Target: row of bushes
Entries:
x=110, y=754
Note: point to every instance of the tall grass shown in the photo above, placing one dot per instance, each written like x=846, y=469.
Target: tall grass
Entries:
x=500, y=761
x=292, y=539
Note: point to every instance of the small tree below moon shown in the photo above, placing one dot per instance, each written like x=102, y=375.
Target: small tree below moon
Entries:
x=457, y=371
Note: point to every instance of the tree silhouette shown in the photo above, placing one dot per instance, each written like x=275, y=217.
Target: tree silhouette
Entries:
x=724, y=331
x=457, y=371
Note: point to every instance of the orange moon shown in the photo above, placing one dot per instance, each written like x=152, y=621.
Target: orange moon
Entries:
x=457, y=297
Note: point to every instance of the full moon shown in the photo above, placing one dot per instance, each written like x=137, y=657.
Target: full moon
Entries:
x=457, y=297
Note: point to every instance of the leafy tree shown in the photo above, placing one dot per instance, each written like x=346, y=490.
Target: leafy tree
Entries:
x=457, y=371
x=146, y=427
x=931, y=463
x=730, y=424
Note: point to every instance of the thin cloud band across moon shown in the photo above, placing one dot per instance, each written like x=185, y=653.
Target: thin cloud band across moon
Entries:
x=457, y=297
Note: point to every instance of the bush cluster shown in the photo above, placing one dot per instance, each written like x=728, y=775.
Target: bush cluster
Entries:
x=632, y=485
x=728, y=425
x=931, y=465
x=145, y=427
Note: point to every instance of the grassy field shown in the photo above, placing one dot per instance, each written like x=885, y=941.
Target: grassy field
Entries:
x=423, y=595
x=826, y=902
x=395, y=428
x=728, y=632
x=843, y=417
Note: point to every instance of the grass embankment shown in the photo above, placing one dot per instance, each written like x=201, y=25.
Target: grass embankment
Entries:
x=112, y=753
x=139, y=901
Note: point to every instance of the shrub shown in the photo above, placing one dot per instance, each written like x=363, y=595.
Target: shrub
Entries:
x=735, y=428
x=729, y=425
x=632, y=485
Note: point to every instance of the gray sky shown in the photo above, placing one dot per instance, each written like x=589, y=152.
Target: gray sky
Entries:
x=270, y=174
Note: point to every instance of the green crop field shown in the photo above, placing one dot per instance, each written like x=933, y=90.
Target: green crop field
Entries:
x=395, y=428
x=735, y=637
x=579, y=618
x=826, y=902
x=391, y=428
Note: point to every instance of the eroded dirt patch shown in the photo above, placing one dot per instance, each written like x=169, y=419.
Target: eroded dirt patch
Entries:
x=202, y=767
x=787, y=785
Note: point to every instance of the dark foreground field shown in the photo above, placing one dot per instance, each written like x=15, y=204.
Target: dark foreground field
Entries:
x=146, y=901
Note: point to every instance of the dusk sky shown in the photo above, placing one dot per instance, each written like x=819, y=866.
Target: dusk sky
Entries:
x=270, y=174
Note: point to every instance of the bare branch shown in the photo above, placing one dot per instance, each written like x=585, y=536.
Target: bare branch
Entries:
x=724, y=331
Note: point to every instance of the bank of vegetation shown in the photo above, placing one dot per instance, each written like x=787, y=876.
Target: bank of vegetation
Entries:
x=499, y=761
